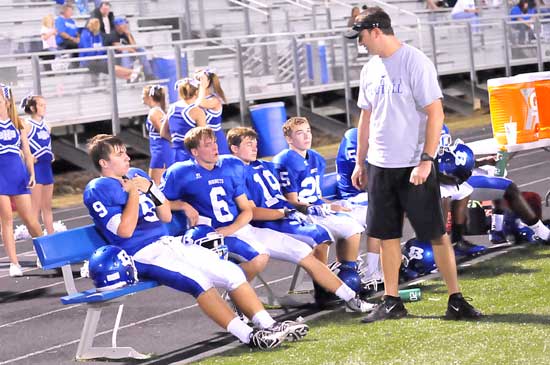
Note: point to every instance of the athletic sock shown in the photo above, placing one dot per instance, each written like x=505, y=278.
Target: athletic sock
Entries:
x=239, y=329
x=345, y=293
x=262, y=319
x=373, y=263
x=457, y=232
x=541, y=230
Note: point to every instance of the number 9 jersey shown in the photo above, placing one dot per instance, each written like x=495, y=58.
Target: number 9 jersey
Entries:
x=106, y=199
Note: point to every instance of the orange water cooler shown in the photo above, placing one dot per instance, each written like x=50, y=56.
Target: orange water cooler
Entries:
x=523, y=99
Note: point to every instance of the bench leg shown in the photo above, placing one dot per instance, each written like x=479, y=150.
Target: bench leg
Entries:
x=85, y=348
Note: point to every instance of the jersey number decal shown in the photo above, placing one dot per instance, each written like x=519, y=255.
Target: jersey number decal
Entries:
x=311, y=189
x=273, y=184
x=220, y=207
x=148, y=208
x=99, y=209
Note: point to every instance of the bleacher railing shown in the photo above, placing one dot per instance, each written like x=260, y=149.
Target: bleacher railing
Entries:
x=263, y=66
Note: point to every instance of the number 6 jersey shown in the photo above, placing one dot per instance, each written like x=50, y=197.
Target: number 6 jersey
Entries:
x=106, y=199
x=211, y=192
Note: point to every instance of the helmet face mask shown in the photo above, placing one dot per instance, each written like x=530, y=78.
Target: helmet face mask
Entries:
x=111, y=268
x=206, y=237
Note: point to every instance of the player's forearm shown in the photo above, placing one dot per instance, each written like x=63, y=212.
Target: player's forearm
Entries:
x=244, y=217
x=164, y=213
x=267, y=214
x=129, y=218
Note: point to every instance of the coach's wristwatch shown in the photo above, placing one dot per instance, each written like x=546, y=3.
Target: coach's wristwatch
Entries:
x=426, y=157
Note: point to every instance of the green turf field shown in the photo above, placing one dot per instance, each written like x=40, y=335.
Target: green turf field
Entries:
x=513, y=291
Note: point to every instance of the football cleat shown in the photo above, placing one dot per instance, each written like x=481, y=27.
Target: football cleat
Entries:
x=265, y=339
x=466, y=248
x=293, y=330
x=357, y=305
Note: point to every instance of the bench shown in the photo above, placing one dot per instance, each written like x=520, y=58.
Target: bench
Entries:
x=62, y=249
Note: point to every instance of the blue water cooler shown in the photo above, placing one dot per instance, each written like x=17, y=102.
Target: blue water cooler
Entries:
x=268, y=120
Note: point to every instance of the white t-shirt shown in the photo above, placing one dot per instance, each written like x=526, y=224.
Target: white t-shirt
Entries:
x=396, y=90
x=50, y=41
x=462, y=5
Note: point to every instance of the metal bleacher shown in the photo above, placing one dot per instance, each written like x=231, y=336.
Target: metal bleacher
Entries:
x=262, y=49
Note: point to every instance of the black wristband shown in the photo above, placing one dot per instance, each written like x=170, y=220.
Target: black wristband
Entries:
x=426, y=157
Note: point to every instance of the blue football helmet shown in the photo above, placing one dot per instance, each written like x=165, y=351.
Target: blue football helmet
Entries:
x=457, y=161
x=445, y=140
x=348, y=273
x=206, y=237
x=419, y=256
x=111, y=268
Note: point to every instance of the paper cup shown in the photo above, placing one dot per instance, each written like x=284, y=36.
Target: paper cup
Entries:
x=511, y=130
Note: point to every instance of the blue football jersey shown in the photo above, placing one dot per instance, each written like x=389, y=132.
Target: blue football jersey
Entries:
x=106, y=199
x=301, y=175
x=211, y=192
x=345, y=163
x=263, y=187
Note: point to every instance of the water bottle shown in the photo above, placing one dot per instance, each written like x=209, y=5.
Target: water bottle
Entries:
x=502, y=160
x=410, y=295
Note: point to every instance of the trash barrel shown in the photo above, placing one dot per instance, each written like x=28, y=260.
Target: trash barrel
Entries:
x=268, y=120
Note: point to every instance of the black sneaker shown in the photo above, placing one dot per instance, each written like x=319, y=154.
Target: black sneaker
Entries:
x=466, y=248
x=265, y=339
x=389, y=308
x=459, y=308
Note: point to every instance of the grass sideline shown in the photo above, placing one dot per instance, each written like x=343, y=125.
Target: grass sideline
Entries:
x=510, y=289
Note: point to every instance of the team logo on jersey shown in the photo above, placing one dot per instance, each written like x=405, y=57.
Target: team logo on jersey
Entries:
x=43, y=135
x=198, y=175
x=7, y=135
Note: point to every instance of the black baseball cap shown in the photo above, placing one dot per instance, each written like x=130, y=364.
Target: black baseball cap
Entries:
x=369, y=20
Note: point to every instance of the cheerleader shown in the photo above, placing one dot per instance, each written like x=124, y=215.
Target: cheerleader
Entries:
x=211, y=98
x=162, y=155
x=15, y=179
x=38, y=134
x=184, y=115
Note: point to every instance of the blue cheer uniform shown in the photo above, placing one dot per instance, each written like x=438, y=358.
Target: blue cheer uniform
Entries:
x=162, y=154
x=180, y=122
x=40, y=144
x=14, y=176
x=214, y=121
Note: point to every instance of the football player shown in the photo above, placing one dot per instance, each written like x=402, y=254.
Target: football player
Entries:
x=128, y=209
x=210, y=190
x=300, y=170
x=271, y=210
x=473, y=179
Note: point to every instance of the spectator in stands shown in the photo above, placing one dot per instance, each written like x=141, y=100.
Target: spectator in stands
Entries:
x=67, y=32
x=354, y=12
x=184, y=115
x=162, y=155
x=38, y=133
x=91, y=38
x=106, y=18
x=523, y=14
x=47, y=34
x=211, y=98
x=466, y=9
x=123, y=37
x=17, y=177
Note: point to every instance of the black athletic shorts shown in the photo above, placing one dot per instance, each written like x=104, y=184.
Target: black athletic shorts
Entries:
x=391, y=196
